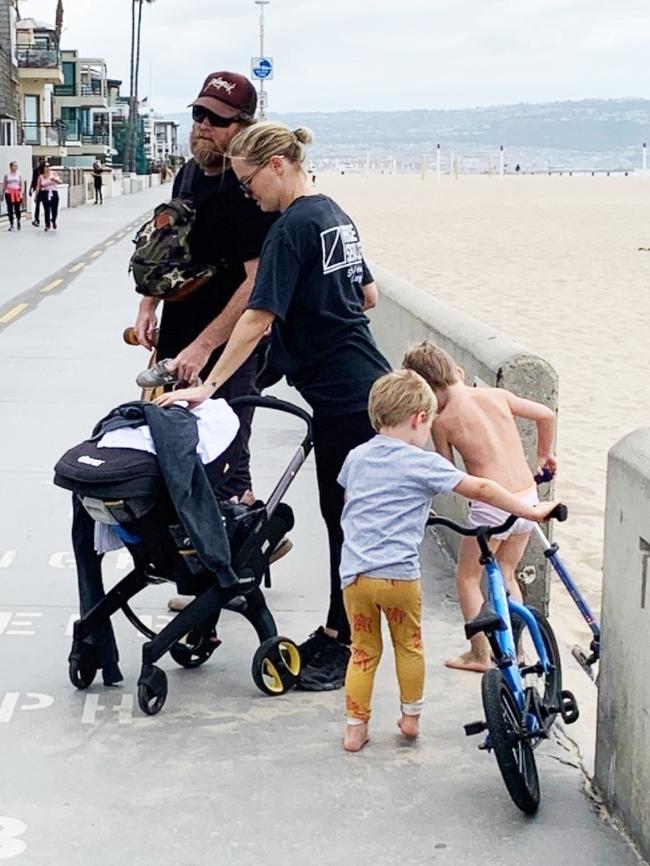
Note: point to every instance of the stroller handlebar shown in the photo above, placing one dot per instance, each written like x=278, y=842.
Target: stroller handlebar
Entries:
x=274, y=403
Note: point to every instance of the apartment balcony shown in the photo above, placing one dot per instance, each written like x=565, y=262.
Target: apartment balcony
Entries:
x=46, y=139
x=42, y=64
x=95, y=138
x=91, y=93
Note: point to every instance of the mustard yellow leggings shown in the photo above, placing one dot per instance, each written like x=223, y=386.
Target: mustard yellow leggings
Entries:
x=401, y=603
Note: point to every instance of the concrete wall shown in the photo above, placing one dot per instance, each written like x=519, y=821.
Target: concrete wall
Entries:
x=406, y=315
x=623, y=730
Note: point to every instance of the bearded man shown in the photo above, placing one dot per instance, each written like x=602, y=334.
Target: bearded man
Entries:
x=228, y=233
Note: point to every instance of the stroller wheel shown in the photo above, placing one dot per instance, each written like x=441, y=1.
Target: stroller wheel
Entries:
x=276, y=666
x=82, y=665
x=196, y=648
x=152, y=689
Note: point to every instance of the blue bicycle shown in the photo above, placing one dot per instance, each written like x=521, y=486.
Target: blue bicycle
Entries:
x=522, y=694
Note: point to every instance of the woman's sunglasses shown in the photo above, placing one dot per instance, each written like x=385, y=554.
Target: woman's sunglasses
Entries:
x=245, y=182
x=199, y=114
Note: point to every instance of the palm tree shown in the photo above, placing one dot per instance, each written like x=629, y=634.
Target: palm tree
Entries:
x=58, y=23
x=136, y=28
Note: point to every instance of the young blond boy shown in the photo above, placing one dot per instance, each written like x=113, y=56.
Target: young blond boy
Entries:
x=389, y=482
x=479, y=423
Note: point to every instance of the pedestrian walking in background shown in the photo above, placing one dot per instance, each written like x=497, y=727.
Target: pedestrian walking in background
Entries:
x=12, y=187
x=98, y=181
x=36, y=173
x=48, y=195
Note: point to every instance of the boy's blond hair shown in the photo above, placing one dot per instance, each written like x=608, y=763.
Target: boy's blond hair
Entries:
x=397, y=396
x=432, y=363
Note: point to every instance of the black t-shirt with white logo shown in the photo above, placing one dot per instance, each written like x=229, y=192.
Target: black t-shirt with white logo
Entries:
x=310, y=275
x=229, y=230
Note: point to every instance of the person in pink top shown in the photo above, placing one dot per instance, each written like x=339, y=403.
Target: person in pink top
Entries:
x=46, y=190
x=12, y=187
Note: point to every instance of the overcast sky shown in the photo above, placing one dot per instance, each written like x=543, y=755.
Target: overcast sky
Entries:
x=374, y=54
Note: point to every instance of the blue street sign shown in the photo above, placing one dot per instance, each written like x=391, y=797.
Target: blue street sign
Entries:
x=262, y=67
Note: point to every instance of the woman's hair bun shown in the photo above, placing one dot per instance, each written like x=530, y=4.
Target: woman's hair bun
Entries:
x=304, y=135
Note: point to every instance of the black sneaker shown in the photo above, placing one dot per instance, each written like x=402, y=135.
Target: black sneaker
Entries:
x=326, y=671
x=316, y=641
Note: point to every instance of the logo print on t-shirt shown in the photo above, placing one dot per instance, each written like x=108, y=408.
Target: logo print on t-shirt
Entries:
x=341, y=248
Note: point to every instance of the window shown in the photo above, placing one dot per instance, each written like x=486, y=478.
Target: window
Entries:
x=7, y=131
x=31, y=113
x=68, y=74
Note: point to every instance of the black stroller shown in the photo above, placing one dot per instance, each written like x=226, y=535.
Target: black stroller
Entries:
x=145, y=520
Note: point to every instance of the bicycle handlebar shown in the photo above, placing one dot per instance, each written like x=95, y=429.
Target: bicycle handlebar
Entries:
x=560, y=513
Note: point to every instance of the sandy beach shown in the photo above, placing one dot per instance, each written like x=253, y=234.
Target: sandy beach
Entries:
x=554, y=263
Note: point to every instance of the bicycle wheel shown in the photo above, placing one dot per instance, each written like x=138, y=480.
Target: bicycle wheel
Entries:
x=548, y=686
x=513, y=752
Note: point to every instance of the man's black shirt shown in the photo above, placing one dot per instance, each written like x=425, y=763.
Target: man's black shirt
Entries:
x=229, y=230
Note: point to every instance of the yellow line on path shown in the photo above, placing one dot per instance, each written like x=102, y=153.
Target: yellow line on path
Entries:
x=15, y=311
x=96, y=253
x=52, y=285
x=108, y=243
x=120, y=235
x=77, y=267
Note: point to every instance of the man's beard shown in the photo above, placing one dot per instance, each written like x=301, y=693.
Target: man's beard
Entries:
x=206, y=153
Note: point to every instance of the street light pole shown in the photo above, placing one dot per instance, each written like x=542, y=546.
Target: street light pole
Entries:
x=262, y=96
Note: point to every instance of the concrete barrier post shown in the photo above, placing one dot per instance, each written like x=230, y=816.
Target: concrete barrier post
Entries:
x=623, y=728
x=407, y=315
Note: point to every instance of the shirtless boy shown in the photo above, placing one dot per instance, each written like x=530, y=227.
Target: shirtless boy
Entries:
x=479, y=424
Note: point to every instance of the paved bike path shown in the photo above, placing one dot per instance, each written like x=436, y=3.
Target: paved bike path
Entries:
x=42, y=261
x=223, y=774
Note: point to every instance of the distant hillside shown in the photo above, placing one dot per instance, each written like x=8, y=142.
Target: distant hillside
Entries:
x=586, y=133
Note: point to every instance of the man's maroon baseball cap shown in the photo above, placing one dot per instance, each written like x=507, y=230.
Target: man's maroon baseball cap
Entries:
x=228, y=94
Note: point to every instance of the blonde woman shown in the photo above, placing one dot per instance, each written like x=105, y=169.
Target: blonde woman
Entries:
x=312, y=288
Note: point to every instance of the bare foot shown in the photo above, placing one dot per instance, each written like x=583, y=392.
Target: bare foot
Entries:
x=356, y=737
x=409, y=726
x=470, y=662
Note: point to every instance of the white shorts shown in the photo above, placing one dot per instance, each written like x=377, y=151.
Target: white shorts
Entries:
x=482, y=514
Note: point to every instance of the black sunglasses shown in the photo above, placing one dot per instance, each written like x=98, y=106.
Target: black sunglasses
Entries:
x=199, y=114
x=245, y=182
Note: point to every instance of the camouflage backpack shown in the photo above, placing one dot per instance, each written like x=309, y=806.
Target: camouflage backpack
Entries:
x=162, y=263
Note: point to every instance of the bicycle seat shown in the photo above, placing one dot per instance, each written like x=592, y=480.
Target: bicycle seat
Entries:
x=487, y=621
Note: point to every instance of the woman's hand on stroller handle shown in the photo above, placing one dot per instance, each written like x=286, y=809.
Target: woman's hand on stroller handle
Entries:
x=193, y=396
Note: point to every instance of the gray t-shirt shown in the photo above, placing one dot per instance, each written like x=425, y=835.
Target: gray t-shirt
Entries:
x=388, y=489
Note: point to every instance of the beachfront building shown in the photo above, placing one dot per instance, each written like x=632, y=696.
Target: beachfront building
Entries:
x=9, y=105
x=160, y=139
x=81, y=103
x=39, y=71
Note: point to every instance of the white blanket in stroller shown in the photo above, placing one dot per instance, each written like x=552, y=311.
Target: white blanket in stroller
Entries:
x=217, y=427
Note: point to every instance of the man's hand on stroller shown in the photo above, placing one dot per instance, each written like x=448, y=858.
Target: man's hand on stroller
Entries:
x=193, y=396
